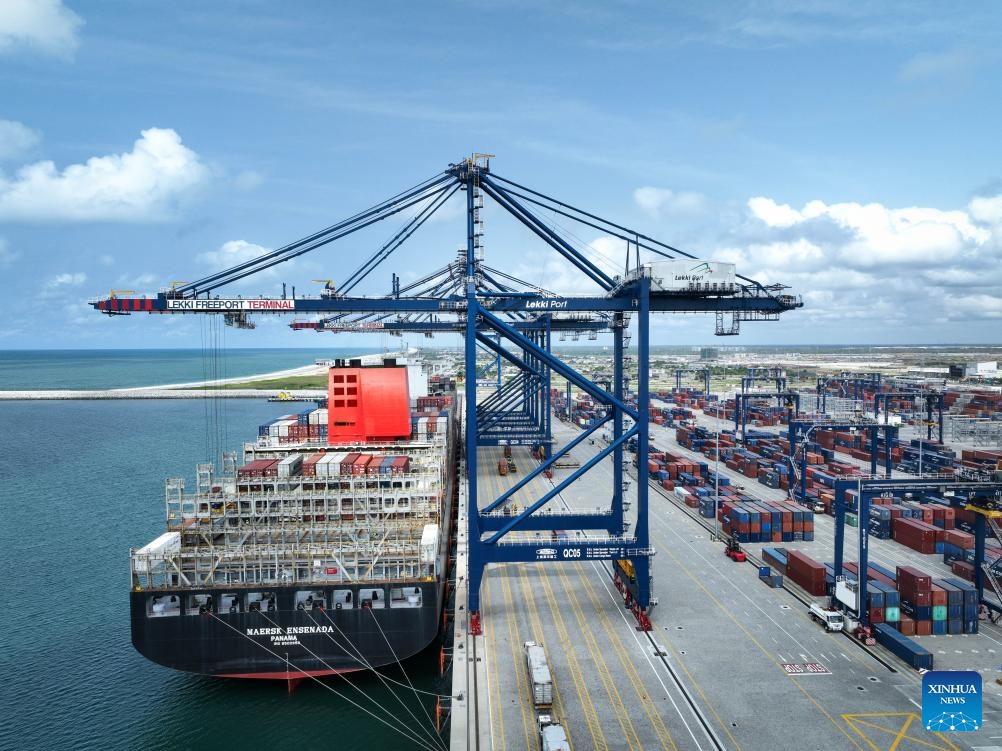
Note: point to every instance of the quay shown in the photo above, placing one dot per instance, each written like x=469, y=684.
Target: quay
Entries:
x=729, y=664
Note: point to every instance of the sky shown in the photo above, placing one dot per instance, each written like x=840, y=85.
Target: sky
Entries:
x=847, y=150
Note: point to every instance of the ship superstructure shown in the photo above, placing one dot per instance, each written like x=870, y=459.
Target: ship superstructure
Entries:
x=323, y=551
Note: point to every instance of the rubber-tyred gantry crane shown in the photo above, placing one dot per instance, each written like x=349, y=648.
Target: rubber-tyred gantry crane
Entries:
x=497, y=313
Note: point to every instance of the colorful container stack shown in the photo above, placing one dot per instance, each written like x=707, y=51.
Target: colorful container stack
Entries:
x=915, y=604
x=804, y=571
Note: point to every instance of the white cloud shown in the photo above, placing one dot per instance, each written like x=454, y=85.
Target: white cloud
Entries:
x=976, y=306
x=880, y=235
x=867, y=269
x=658, y=202
x=140, y=185
x=46, y=25
x=16, y=139
x=231, y=253
x=71, y=280
x=986, y=209
x=772, y=213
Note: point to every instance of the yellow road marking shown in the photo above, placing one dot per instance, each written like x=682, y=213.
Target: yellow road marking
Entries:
x=577, y=676
x=764, y=651
x=657, y=723
x=601, y=668
x=855, y=720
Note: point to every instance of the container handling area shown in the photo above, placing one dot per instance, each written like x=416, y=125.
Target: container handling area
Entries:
x=611, y=589
x=730, y=662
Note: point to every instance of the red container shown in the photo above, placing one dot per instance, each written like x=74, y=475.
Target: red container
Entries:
x=347, y=462
x=906, y=626
x=309, y=468
x=963, y=569
x=806, y=572
x=923, y=628
x=358, y=467
x=912, y=579
x=938, y=595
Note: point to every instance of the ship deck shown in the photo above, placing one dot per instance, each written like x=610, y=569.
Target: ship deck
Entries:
x=743, y=665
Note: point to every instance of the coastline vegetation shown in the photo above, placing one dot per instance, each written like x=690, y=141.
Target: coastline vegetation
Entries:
x=283, y=384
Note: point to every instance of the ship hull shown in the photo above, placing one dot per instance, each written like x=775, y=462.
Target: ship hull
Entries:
x=284, y=642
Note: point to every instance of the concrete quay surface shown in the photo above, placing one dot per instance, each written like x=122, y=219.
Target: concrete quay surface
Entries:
x=744, y=667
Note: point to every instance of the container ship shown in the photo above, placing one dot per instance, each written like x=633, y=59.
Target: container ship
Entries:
x=323, y=551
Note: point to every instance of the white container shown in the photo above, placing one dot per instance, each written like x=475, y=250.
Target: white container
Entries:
x=429, y=543
x=166, y=544
x=290, y=465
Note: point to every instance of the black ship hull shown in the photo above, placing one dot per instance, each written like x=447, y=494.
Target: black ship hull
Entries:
x=281, y=640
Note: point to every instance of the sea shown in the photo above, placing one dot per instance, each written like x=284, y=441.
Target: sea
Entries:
x=82, y=482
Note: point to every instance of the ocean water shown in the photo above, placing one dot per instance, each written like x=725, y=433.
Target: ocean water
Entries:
x=80, y=483
x=127, y=368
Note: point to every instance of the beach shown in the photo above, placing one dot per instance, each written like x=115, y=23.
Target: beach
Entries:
x=190, y=390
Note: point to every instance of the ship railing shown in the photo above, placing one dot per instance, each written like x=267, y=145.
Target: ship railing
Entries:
x=290, y=521
x=429, y=443
x=374, y=484
x=190, y=570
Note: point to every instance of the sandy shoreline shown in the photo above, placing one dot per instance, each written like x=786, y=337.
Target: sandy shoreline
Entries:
x=306, y=370
x=195, y=389
x=192, y=390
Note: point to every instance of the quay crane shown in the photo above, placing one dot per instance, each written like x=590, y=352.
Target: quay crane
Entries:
x=507, y=318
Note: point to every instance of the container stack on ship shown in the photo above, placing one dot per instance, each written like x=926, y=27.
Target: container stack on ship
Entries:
x=324, y=551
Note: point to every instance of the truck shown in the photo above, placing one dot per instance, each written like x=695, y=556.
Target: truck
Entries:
x=539, y=675
x=831, y=619
x=551, y=735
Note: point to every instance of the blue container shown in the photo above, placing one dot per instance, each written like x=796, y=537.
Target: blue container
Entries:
x=901, y=646
x=875, y=597
x=892, y=598
x=969, y=590
x=939, y=628
x=892, y=575
x=971, y=626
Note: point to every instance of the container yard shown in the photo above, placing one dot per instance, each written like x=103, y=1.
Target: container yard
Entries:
x=638, y=565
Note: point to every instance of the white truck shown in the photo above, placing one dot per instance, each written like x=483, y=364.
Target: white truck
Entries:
x=539, y=675
x=831, y=619
x=551, y=735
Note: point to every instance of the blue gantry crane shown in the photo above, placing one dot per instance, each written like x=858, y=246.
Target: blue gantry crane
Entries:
x=788, y=400
x=514, y=322
x=932, y=401
x=982, y=496
x=706, y=373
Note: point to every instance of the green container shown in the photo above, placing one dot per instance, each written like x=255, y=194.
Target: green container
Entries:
x=852, y=520
x=939, y=612
x=892, y=615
